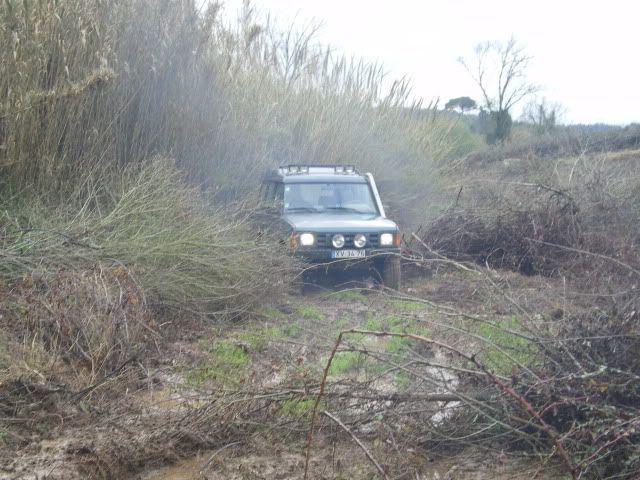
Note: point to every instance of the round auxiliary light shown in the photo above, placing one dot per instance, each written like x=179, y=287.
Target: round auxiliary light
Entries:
x=307, y=239
x=338, y=240
x=360, y=240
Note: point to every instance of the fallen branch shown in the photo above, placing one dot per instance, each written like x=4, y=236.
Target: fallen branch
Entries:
x=208, y=462
x=586, y=252
x=325, y=375
x=360, y=444
x=504, y=388
x=526, y=405
x=86, y=391
x=442, y=258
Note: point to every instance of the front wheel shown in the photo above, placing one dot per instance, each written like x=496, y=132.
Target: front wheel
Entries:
x=391, y=272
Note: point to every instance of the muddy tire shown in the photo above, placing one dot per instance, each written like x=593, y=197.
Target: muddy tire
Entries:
x=391, y=272
x=297, y=285
x=301, y=283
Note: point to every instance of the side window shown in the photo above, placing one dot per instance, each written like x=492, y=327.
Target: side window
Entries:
x=263, y=192
x=279, y=196
x=272, y=195
x=266, y=190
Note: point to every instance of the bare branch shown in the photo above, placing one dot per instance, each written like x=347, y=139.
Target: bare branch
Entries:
x=360, y=444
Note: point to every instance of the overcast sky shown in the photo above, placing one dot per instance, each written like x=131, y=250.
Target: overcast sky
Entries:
x=586, y=53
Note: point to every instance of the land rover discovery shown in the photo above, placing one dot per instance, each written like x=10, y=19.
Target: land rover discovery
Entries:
x=332, y=214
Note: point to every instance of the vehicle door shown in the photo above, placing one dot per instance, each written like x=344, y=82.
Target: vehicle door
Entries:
x=269, y=212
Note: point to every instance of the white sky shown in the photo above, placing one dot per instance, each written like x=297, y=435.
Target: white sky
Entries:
x=586, y=53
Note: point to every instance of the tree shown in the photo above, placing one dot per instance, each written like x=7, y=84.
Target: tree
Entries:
x=461, y=103
x=501, y=73
x=543, y=114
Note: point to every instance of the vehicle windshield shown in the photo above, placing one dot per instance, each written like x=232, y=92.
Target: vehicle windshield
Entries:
x=329, y=197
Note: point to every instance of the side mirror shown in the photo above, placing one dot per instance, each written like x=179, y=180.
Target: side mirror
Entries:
x=269, y=210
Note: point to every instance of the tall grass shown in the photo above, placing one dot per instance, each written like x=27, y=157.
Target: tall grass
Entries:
x=93, y=91
x=180, y=250
x=89, y=85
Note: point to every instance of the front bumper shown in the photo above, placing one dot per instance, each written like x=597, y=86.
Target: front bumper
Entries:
x=323, y=255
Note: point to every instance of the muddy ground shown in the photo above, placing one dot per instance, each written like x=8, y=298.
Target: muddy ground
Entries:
x=233, y=398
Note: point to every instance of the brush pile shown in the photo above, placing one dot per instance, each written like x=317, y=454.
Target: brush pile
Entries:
x=578, y=394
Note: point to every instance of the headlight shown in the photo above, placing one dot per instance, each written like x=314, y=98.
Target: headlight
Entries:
x=307, y=239
x=338, y=240
x=386, y=239
x=360, y=240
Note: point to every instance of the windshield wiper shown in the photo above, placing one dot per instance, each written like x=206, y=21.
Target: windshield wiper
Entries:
x=302, y=209
x=347, y=209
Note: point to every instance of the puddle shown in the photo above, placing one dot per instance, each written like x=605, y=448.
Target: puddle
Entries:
x=192, y=468
x=216, y=465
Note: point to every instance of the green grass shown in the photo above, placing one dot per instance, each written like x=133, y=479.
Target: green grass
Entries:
x=259, y=337
x=270, y=312
x=518, y=348
x=291, y=329
x=356, y=362
x=348, y=295
x=386, y=323
x=297, y=407
x=396, y=344
x=227, y=365
x=309, y=311
x=408, y=306
x=394, y=323
x=344, y=362
x=342, y=323
x=402, y=380
x=373, y=323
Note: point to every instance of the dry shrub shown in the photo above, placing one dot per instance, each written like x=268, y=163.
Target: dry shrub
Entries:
x=524, y=236
x=569, y=389
x=184, y=251
x=578, y=397
x=89, y=322
x=586, y=392
x=578, y=219
x=74, y=340
x=94, y=320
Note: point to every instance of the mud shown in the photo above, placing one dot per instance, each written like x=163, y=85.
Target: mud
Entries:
x=172, y=424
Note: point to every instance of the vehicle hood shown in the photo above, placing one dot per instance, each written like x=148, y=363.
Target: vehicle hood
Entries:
x=339, y=222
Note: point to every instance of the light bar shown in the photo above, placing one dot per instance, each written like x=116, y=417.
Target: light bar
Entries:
x=344, y=169
x=306, y=169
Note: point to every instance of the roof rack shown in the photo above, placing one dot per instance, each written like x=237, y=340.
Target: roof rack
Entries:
x=305, y=169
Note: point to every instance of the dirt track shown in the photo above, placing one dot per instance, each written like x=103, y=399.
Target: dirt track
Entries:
x=233, y=400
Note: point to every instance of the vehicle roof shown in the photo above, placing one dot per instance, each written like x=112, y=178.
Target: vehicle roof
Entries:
x=318, y=178
x=316, y=174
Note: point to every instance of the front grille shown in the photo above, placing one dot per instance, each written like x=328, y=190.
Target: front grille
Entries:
x=323, y=240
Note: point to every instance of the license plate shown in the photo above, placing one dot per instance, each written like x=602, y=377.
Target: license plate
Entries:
x=348, y=254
